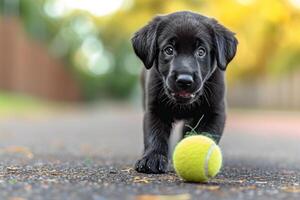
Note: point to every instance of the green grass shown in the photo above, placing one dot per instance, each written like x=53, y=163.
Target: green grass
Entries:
x=13, y=104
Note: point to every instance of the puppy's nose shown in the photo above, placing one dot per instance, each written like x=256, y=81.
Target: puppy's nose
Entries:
x=184, y=81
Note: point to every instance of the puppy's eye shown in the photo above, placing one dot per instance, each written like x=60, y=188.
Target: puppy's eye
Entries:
x=169, y=50
x=201, y=52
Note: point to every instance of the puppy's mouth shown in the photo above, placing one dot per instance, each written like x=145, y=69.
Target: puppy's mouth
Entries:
x=183, y=95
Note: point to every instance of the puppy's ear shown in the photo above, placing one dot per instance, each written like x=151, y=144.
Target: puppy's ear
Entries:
x=225, y=44
x=144, y=42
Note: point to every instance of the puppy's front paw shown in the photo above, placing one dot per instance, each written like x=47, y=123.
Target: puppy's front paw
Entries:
x=152, y=164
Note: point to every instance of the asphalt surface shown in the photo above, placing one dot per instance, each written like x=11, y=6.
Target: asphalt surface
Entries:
x=89, y=154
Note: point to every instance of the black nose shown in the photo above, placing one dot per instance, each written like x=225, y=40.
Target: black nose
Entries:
x=184, y=81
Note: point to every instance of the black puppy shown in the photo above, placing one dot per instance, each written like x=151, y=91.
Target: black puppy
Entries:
x=186, y=55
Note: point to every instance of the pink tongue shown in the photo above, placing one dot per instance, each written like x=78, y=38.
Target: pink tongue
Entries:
x=184, y=94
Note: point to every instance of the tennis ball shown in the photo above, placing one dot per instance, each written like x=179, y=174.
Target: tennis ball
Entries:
x=197, y=158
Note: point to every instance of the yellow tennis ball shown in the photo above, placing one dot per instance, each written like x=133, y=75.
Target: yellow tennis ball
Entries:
x=197, y=158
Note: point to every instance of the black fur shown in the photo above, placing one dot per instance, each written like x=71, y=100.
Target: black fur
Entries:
x=186, y=55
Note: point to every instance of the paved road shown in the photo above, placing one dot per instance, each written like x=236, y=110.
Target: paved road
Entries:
x=89, y=153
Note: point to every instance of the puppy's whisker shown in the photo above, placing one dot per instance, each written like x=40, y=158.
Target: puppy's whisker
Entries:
x=208, y=90
x=155, y=86
x=165, y=98
x=205, y=95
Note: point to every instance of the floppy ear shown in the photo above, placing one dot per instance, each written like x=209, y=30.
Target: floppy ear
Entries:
x=144, y=42
x=225, y=44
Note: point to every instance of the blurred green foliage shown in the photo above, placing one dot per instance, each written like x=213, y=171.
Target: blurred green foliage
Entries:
x=98, y=49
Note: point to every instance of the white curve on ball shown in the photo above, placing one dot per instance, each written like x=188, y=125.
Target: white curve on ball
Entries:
x=209, y=152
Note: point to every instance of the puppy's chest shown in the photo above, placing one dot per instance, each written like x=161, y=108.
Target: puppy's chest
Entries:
x=180, y=112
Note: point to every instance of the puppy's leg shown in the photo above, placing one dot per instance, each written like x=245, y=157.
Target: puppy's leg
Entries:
x=212, y=123
x=156, y=139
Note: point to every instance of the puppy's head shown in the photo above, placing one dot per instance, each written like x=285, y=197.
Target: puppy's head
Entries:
x=185, y=48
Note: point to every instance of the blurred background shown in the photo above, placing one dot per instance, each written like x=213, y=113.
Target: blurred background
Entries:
x=72, y=60
x=79, y=50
